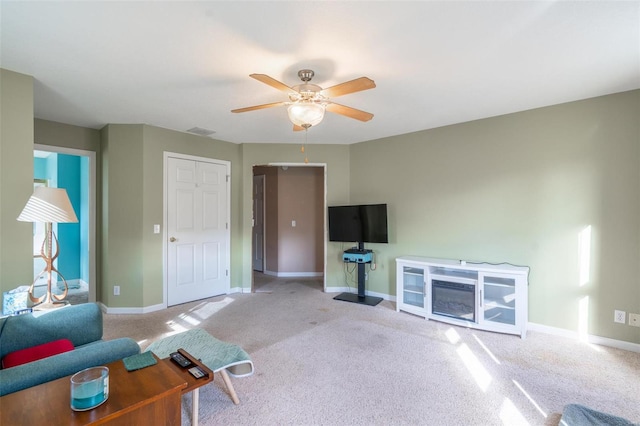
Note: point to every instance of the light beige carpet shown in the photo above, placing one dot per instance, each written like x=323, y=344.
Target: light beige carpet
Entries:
x=324, y=362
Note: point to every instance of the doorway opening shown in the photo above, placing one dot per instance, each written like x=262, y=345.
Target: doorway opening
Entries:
x=73, y=170
x=289, y=223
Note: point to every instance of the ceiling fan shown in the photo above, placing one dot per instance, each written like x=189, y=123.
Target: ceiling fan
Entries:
x=308, y=102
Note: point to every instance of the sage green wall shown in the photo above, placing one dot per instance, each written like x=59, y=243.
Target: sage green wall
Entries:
x=122, y=216
x=336, y=157
x=67, y=136
x=16, y=178
x=526, y=188
x=133, y=164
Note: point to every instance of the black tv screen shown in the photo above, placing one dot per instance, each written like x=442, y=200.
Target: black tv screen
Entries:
x=365, y=223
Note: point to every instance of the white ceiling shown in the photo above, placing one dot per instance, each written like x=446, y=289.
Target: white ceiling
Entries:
x=183, y=64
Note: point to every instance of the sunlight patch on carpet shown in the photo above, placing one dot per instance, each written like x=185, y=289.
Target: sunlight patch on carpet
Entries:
x=486, y=349
x=510, y=415
x=452, y=335
x=207, y=310
x=533, y=402
x=475, y=367
x=196, y=315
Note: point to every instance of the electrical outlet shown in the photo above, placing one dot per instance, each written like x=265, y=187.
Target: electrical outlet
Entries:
x=116, y=290
x=634, y=320
x=619, y=316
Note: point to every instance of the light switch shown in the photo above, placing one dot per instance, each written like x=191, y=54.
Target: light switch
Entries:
x=156, y=229
x=293, y=223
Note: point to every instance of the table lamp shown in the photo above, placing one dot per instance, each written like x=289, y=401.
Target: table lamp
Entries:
x=48, y=205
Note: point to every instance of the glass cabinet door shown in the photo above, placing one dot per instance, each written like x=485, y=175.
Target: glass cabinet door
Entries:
x=499, y=299
x=413, y=286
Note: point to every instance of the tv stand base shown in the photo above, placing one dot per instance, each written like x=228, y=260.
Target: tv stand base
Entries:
x=354, y=298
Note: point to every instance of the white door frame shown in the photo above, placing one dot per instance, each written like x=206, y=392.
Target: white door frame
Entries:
x=92, y=206
x=165, y=177
x=253, y=224
x=324, y=213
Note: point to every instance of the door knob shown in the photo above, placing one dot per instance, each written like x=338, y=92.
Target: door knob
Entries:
x=173, y=239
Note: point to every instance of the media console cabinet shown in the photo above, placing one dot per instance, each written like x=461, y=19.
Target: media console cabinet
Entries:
x=485, y=296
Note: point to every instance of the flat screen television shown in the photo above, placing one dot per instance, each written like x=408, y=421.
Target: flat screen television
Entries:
x=365, y=223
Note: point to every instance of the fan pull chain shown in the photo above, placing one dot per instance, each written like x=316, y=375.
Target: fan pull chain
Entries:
x=306, y=129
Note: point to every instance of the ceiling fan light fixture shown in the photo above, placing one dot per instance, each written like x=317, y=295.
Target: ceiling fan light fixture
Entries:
x=308, y=102
x=306, y=114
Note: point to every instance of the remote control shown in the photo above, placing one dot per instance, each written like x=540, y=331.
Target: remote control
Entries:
x=197, y=372
x=179, y=359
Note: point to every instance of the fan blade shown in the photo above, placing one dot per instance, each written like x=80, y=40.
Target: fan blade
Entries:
x=272, y=82
x=255, y=107
x=349, y=112
x=357, y=85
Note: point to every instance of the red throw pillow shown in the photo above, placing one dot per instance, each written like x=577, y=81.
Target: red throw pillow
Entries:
x=35, y=353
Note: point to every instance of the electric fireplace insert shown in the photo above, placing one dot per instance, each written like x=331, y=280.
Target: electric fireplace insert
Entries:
x=454, y=298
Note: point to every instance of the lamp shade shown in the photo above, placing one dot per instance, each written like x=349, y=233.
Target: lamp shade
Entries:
x=48, y=205
x=306, y=113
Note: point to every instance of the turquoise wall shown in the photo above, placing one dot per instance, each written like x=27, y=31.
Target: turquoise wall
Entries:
x=83, y=216
x=40, y=168
x=69, y=233
x=71, y=173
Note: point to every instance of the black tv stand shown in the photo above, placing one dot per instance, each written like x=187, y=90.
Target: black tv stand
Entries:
x=360, y=297
x=355, y=298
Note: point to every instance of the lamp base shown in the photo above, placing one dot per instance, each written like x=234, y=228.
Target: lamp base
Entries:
x=45, y=306
x=48, y=300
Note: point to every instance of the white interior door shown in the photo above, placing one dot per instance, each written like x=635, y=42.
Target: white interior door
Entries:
x=197, y=230
x=258, y=223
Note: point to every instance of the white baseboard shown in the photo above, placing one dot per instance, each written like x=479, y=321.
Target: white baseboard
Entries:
x=597, y=340
x=122, y=311
x=293, y=274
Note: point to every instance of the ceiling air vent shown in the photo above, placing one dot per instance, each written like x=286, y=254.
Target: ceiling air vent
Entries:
x=200, y=131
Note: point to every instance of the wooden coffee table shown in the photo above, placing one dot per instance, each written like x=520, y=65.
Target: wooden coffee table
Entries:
x=193, y=384
x=151, y=395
